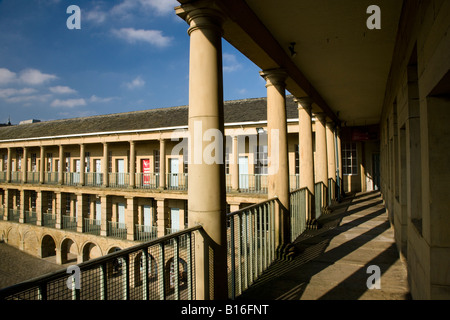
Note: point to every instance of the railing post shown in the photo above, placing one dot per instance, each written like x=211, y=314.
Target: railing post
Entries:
x=161, y=273
x=145, y=265
x=233, y=259
x=103, y=282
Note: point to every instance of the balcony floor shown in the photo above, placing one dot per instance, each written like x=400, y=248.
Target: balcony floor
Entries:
x=333, y=260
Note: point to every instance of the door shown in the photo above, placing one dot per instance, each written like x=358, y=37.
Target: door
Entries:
x=148, y=223
x=76, y=175
x=173, y=174
x=120, y=172
x=243, y=172
x=98, y=211
x=175, y=219
x=121, y=214
x=98, y=172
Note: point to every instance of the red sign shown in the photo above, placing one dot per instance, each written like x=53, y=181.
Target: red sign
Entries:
x=146, y=171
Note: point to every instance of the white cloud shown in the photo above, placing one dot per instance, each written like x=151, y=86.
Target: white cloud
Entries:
x=138, y=82
x=28, y=99
x=94, y=99
x=6, y=76
x=9, y=92
x=62, y=90
x=230, y=63
x=162, y=7
x=96, y=15
x=154, y=37
x=35, y=77
x=69, y=103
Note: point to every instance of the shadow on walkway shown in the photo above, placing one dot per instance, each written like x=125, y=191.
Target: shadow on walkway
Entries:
x=333, y=260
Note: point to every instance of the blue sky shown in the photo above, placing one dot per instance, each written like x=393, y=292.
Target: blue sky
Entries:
x=128, y=55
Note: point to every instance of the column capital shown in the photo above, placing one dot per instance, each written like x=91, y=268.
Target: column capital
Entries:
x=331, y=124
x=203, y=14
x=274, y=77
x=304, y=103
x=321, y=116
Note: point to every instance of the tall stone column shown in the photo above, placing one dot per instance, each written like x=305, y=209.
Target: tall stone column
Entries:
x=22, y=209
x=62, y=162
x=278, y=177
x=206, y=183
x=234, y=166
x=58, y=209
x=25, y=165
x=162, y=164
x=81, y=199
x=130, y=217
x=105, y=164
x=9, y=165
x=331, y=156
x=105, y=207
x=321, y=164
x=339, y=153
x=82, y=163
x=132, y=164
x=306, y=153
x=161, y=216
x=42, y=165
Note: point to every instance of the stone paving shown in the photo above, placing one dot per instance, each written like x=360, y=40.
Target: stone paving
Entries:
x=333, y=261
x=17, y=266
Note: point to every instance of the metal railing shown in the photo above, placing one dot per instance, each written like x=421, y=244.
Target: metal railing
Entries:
x=30, y=217
x=14, y=215
x=51, y=177
x=93, y=179
x=251, y=244
x=299, y=200
x=71, y=178
x=49, y=220
x=162, y=269
x=16, y=176
x=33, y=177
x=92, y=226
x=119, y=179
x=69, y=223
x=294, y=182
x=147, y=180
x=3, y=176
x=253, y=183
x=117, y=230
x=320, y=193
x=177, y=181
x=145, y=233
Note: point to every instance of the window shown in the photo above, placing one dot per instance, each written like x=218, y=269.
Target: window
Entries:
x=297, y=160
x=33, y=162
x=49, y=162
x=261, y=156
x=349, y=159
x=227, y=160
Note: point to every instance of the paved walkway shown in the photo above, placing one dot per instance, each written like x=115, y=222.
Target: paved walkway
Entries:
x=333, y=260
x=17, y=266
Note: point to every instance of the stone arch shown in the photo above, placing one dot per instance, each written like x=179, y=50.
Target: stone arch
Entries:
x=13, y=237
x=68, y=251
x=138, y=268
x=170, y=276
x=90, y=251
x=48, y=246
x=114, y=268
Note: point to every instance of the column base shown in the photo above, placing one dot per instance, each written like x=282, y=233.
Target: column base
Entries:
x=286, y=252
x=312, y=224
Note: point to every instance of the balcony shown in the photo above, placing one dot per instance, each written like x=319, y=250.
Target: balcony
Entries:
x=119, y=180
x=117, y=230
x=93, y=179
x=177, y=181
x=147, y=180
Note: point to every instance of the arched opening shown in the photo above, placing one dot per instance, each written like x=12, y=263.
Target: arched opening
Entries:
x=48, y=247
x=139, y=269
x=91, y=251
x=170, y=274
x=69, y=251
x=115, y=267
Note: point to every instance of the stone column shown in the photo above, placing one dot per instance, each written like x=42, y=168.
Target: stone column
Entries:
x=132, y=165
x=206, y=183
x=82, y=163
x=305, y=144
x=42, y=166
x=130, y=217
x=9, y=166
x=162, y=164
x=105, y=164
x=62, y=162
x=25, y=165
x=105, y=205
x=234, y=166
x=80, y=212
x=58, y=210
x=39, y=203
x=22, y=206
x=161, y=216
x=321, y=165
x=278, y=177
x=331, y=156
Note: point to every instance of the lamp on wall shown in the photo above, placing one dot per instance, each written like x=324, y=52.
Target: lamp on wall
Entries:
x=260, y=130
